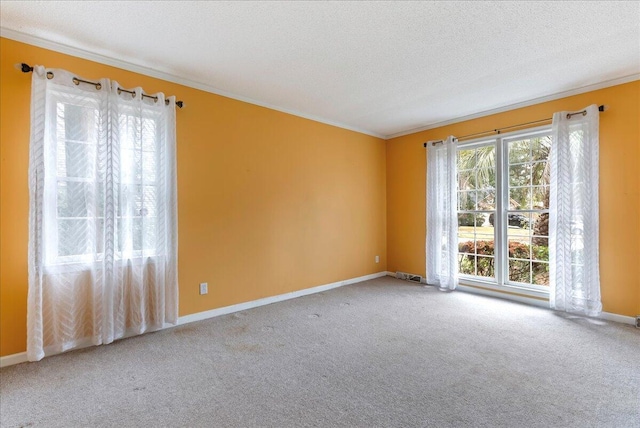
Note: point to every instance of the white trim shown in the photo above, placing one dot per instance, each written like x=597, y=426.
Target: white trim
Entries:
x=10, y=360
x=539, y=293
x=169, y=77
x=623, y=319
x=617, y=318
x=539, y=100
x=21, y=357
x=165, y=75
x=273, y=299
x=518, y=298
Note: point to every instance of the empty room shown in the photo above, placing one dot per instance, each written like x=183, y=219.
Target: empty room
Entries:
x=319, y=214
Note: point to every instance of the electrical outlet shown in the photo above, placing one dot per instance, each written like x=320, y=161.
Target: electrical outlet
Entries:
x=377, y=259
x=204, y=288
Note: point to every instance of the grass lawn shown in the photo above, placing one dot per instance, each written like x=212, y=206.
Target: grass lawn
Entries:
x=467, y=232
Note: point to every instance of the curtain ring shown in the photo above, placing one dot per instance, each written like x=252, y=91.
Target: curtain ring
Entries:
x=49, y=75
x=98, y=86
x=568, y=115
x=76, y=81
x=155, y=99
x=133, y=94
x=119, y=91
x=584, y=112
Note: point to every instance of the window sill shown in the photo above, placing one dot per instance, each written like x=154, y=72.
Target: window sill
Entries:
x=507, y=290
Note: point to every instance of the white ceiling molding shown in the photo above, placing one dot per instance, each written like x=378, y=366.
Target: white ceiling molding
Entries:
x=559, y=95
x=80, y=53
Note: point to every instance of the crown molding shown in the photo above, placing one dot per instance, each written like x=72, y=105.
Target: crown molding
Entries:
x=163, y=75
x=552, y=97
x=169, y=77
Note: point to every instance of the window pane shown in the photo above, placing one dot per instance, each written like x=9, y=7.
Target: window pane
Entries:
x=487, y=200
x=465, y=233
x=485, y=267
x=74, y=159
x=540, y=249
x=486, y=157
x=519, y=249
x=470, y=220
x=74, y=198
x=149, y=233
x=520, y=174
x=520, y=198
x=540, y=224
x=486, y=178
x=148, y=205
x=477, y=195
x=540, y=148
x=149, y=166
x=149, y=135
x=75, y=236
x=130, y=166
x=466, y=180
x=80, y=123
x=540, y=173
x=485, y=245
x=467, y=246
x=466, y=159
x=518, y=224
x=467, y=200
x=519, y=151
x=466, y=264
x=520, y=271
x=540, y=197
x=540, y=273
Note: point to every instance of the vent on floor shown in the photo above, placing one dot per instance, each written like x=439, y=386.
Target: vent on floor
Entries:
x=409, y=277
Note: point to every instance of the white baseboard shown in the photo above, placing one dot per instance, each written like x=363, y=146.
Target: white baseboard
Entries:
x=9, y=360
x=617, y=318
x=21, y=357
x=273, y=299
x=608, y=316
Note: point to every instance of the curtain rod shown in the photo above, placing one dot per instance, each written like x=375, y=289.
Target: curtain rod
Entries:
x=499, y=130
x=26, y=68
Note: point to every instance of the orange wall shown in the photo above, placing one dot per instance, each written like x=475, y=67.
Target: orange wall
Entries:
x=619, y=188
x=268, y=202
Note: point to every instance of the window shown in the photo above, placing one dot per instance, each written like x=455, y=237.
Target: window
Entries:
x=102, y=212
x=503, y=210
x=76, y=223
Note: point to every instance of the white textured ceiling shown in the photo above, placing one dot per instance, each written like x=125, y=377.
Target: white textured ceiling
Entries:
x=381, y=67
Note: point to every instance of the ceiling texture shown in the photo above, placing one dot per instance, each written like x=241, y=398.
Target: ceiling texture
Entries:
x=382, y=68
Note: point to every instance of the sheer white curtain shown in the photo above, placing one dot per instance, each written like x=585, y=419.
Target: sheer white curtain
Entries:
x=442, y=222
x=103, y=213
x=573, y=219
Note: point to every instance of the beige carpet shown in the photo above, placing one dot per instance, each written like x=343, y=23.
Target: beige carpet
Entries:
x=382, y=353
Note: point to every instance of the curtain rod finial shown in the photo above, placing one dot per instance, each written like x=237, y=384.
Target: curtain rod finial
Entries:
x=24, y=67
